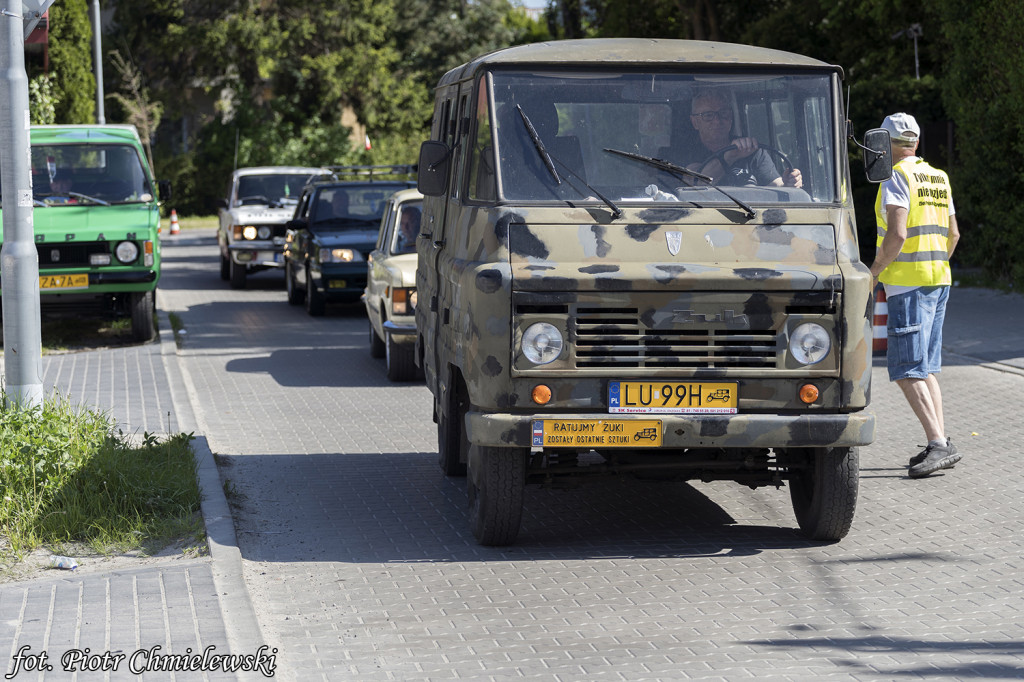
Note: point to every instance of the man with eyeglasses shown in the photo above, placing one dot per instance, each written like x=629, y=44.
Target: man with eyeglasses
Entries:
x=746, y=164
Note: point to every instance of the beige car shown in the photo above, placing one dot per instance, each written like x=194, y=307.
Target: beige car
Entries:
x=391, y=286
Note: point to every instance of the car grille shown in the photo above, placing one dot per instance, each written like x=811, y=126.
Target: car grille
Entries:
x=618, y=337
x=69, y=255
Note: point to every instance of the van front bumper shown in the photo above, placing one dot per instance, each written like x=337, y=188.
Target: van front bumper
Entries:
x=697, y=431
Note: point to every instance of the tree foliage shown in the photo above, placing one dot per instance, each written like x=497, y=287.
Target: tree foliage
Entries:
x=983, y=90
x=70, y=48
x=286, y=81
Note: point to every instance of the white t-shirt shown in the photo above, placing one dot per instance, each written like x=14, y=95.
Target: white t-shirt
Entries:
x=896, y=192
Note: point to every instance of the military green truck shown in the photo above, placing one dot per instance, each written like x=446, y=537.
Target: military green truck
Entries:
x=600, y=292
x=96, y=221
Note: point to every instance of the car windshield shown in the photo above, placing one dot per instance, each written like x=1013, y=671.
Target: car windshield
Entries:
x=346, y=207
x=272, y=189
x=564, y=136
x=82, y=174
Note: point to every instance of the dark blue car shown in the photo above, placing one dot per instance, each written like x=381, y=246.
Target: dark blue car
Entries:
x=334, y=229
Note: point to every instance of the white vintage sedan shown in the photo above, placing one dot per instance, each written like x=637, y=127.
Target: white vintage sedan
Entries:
x=390, y=295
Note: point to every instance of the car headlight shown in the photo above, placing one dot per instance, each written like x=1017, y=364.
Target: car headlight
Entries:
x=263, y=231
x=339, y=255
x=126, y=252
x=542, y=343
x=809, y=343
x=249, y=232
x=403, y=301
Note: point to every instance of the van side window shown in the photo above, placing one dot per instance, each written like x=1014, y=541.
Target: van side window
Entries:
x=482, y=183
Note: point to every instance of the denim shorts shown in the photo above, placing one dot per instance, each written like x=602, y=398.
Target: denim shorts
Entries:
x=914, y=332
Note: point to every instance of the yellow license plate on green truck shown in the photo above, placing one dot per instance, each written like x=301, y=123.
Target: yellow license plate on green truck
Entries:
x=80, y=281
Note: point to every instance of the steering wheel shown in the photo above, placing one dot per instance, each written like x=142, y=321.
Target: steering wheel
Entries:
x=787, y=165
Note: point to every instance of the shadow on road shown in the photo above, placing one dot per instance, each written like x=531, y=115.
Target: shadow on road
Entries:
x=386, y=507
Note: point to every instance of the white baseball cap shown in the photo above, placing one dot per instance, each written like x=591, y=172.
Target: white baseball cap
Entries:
x=902, y=127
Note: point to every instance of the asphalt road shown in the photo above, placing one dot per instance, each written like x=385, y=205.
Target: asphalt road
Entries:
x=358, y=557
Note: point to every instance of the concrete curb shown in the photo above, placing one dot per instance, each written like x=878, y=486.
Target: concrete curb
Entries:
x=240, y=622
x=987, y=364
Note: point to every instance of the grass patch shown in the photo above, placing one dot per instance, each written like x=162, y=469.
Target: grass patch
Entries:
x=178, y=327
x=195, y=222
x=66, y=476
x=75, y=331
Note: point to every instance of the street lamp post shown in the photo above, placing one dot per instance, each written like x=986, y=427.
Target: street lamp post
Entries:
x=913, y=32
x=19, y=261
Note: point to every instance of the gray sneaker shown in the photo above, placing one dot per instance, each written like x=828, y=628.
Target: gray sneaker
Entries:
x=935, y=457
x=919, y=457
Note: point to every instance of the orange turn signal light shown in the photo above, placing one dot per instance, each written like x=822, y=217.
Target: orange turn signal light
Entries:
x=808, y=393
x=541, y=394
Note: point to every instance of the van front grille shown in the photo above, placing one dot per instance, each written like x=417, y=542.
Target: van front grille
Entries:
x=618, y=337
x=69, y=255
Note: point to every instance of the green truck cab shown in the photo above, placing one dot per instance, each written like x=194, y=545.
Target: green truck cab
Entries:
x=96, y=221
x=599, y=294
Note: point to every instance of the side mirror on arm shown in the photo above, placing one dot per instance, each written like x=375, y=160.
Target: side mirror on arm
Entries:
x=164, y=187
x=877, y=155
x=432, y=170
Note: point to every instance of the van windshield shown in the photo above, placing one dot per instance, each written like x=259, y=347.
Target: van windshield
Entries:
x=82, y=174
x=606, y=129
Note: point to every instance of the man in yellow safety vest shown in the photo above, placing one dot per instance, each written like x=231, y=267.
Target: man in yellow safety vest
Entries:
x=917, y=233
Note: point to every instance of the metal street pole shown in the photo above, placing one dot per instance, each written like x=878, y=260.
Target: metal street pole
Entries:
x=98, y=60
x=19, y=261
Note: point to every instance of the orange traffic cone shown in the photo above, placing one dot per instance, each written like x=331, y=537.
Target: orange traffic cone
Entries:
x=174, y=222
x=880, y=343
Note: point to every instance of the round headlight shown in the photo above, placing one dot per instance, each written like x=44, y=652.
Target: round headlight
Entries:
x=412, y=299
x=542, y=343
x=809, y=343
x=126, y=252
x=249, y=232
x=264, y=231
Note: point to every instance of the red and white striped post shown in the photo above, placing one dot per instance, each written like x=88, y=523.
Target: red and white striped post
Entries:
x=880, y=342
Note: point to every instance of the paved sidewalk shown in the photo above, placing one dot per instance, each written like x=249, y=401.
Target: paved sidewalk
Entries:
x=109, y=625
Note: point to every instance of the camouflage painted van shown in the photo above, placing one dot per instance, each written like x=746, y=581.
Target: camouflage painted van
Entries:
x=593, y=299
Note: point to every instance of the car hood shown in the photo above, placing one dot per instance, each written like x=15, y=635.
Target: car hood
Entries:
x=262, y=214
x=592, y=257
x=361, y=239
x=92, y=222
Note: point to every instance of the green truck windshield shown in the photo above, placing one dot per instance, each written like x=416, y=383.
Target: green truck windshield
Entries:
x=83, y=174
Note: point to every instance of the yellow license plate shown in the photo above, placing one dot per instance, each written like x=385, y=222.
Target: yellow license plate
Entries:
x=64, y=281
x=672, y=397
x=337, y=284
x=597, y=433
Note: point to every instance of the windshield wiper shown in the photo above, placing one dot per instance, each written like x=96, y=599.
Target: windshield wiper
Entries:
x=662, y=164
x=75, y=195
x=549, y=162
x=541, y=149
x=682, y=170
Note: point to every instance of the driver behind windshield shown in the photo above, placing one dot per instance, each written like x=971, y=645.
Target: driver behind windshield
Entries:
x=747, y=164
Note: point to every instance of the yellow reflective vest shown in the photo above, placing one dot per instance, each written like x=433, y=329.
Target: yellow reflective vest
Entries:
x=924, y=260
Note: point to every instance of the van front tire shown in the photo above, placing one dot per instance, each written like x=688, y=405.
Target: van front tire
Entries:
x=142, y=304
x=824, y=492
x=496, y=485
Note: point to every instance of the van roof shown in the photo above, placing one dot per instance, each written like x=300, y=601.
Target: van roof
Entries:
x=116, y=133
x=636, y=51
